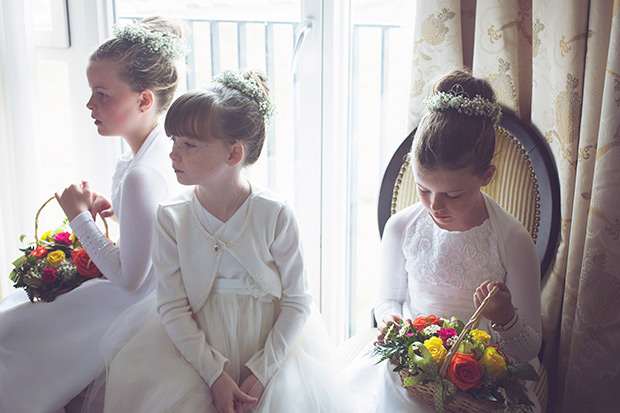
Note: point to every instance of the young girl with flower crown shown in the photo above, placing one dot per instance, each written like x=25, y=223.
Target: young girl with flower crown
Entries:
x=230, y=328
x=443, y=255
x=49, y=352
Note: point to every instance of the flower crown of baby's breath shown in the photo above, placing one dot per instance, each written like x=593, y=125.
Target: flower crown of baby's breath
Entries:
x=457, y=98
x=169, y=45
x=250, y=88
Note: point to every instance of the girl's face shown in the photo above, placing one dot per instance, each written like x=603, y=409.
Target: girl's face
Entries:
x=200, y=162
x=453, y=198
x=113, y=103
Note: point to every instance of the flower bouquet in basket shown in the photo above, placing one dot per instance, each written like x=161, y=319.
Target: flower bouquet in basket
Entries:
x=447, y=363
x=52, y=265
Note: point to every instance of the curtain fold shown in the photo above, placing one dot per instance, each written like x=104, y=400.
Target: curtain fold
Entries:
x=557, y=65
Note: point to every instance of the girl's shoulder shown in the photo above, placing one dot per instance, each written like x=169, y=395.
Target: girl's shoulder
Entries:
x=405, y=218
x=504, y=223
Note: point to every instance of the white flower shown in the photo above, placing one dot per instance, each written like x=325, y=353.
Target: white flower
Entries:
x=457, y=99
x=249, y=88
x=168, y=45
x=432, y=329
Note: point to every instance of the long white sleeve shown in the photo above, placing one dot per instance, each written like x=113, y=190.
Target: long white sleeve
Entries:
x=523, y=340
x=392, y=291
x=127, y=267
x=287, y=252
x=174, y=307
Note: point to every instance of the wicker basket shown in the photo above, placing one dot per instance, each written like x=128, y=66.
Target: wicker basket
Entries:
x=33, y=294
x=461, y=402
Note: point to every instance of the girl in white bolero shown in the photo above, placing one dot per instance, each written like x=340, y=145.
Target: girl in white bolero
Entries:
x=230, y=328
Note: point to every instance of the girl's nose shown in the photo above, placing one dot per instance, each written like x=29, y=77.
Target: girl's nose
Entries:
x=173, y=154
x=437, y=203
x=89, y=104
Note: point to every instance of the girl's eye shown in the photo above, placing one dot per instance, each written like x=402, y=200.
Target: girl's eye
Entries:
x=102, y=95
x=452, y=197
x=189, y=145
x=423, y=191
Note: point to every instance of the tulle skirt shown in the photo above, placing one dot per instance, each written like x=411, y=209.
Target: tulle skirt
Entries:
x=146, y=372
x=49, y=352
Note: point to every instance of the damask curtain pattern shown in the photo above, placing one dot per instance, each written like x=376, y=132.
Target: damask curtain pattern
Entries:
x=557, y=65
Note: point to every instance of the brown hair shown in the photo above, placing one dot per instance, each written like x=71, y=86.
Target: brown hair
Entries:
x=221, y=112
x=142, y=68
x=452, y=140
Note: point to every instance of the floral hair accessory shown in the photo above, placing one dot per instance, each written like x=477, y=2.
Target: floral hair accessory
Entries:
x=249, y=88
x=168, y=45
x=457, y=98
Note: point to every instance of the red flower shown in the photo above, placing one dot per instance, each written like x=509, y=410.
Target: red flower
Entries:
x=421, y=323
x=63, y=238
x=39, y=252
x=464, y=371
x=49, y=275
x=85, y=266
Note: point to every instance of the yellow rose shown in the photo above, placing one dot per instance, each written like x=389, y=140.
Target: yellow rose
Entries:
x=46, y=236
x=480, y=335
x=54, y=258
x=493, y=362
x=436, y=348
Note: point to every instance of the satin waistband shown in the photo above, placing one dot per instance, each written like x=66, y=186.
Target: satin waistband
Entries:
x=235, y=286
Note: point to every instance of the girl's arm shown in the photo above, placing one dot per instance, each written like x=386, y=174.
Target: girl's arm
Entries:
x=129, y=265
x=287, y=252
x=392, y=282
x=174, y=308
x=521, y=337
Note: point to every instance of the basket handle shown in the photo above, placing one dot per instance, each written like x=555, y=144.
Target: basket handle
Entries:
x=473, y=321
x=36, y=222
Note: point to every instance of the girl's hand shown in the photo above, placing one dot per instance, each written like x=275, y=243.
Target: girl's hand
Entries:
x=253, y=387
x=227, y=396
x=500, y=309
x=383, y=325
x=102, y=206
x=75, y=199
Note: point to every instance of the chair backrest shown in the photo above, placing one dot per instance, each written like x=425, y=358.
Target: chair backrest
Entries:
x=525, y=184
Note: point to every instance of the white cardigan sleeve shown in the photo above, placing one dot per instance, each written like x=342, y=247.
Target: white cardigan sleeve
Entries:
x=129, y=265
x=286, y=249
x=174, y=307
x=392, y=282
x=524, y=338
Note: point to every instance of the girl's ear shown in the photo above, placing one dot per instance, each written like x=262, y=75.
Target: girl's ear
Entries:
x=488, y=175
x=237, y=152
x=147, y=100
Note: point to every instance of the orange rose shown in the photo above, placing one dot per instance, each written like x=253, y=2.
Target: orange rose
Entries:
x=464, y=371
x=421, y=323
x=85, y=266
x=39, y=252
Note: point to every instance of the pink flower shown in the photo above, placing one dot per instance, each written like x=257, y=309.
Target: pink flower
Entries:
x=63, y=238
x=445, y=334
x=49, y=275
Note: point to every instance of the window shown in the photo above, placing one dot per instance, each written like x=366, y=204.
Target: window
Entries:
x=341, y=113
x=332, y=137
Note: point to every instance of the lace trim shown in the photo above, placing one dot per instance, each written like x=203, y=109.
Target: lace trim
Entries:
x=456, y=259
x=257, y=291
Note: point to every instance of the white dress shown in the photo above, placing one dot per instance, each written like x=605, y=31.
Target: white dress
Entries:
x=49, y=352
x=233, y=330
x=430, y=271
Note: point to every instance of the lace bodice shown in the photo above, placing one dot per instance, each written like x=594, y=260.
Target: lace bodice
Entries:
x=457, y=259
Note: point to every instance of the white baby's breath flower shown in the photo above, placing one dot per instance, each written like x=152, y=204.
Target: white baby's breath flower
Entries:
x=249, y=88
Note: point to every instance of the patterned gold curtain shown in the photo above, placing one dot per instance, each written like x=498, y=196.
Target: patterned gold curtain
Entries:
x=557, y=65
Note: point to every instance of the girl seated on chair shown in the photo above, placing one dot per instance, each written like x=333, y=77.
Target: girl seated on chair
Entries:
x=444, y=254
